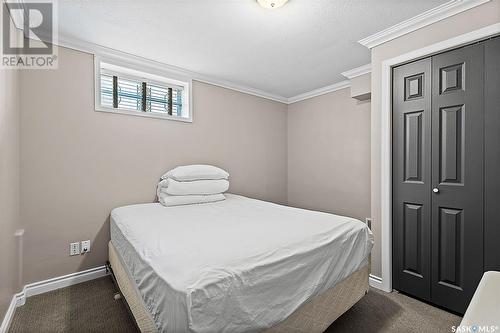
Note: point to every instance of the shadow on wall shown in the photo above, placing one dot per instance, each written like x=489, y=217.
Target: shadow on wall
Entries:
x=99, y=249
x=368, y=101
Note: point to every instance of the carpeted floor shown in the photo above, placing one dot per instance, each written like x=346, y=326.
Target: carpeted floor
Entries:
x=85, y=307
x=393, y=312
x=90, y=307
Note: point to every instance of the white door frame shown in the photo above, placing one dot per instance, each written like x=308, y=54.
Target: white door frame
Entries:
x=386, y=134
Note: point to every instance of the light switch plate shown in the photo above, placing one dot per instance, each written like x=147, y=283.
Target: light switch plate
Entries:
x=74, y=249
x=85, y=246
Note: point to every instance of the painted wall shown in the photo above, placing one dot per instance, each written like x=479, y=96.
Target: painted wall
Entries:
x=9, y=186
x=329, y=154
x=78, y=164
x=361, y=85
x=470, y=20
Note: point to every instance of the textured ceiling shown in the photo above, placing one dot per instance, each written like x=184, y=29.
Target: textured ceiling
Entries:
x=300, y=47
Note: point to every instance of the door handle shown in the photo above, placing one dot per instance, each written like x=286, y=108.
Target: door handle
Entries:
x=435, y=190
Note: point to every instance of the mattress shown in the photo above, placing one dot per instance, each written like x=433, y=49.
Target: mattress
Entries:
x=239, y=265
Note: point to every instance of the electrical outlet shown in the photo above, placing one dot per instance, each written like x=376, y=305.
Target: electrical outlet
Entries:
x=85, y=246
x=74, y=249
x=369, y=222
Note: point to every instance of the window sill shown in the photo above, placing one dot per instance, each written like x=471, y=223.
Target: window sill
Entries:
x=145, y=114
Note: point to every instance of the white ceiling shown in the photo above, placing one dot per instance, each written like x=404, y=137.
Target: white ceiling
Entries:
x=300, y=47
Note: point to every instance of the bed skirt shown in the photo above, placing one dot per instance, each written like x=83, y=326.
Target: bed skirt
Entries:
x=312, y=317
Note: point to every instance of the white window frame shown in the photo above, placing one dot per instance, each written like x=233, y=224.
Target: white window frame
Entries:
x=136, y=71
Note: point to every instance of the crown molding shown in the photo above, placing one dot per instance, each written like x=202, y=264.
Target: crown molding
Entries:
x=320, y=91
x=429, y=17
x=358, y=71
x=99, y=50
x=103, y=51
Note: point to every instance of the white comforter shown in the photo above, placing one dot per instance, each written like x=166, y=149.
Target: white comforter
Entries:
x=238, y=265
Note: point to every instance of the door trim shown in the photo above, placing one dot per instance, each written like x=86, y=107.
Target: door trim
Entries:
x=386, y=134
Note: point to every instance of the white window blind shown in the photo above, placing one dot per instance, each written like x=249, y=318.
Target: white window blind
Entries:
x=128, y=90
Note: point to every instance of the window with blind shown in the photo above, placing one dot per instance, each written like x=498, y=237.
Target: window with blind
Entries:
x=130, y=91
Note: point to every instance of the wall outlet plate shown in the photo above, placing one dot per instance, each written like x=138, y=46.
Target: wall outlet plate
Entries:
x=369, y=222
x=86, y=246
x=74, y=249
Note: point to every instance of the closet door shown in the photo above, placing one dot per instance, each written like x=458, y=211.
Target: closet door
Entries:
x=492, y=154
x=411, y=178
x=457, y=176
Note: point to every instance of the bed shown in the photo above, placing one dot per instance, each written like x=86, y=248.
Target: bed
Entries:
x=239, y=265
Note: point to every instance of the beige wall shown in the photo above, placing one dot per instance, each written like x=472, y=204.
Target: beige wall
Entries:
x=9, y=186
x=470, y=20
x=78, y=164
x=329, y=154
x=361, y=85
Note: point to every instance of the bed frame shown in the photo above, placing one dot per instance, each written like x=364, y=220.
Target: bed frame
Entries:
x=312, y=317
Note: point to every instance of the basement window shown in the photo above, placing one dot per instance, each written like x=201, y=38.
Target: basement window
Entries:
x=126, y=90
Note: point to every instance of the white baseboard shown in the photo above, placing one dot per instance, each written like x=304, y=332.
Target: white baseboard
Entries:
x=41, y=287
x=375, y=282
x=4, y=328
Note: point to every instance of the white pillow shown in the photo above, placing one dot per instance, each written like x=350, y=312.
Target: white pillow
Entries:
x=196, y=172
x=194, y=187
x=180, y=200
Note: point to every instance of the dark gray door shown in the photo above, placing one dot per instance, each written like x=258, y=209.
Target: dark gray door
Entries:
x=492, y=154
x=412, y=178
x=438, y=177
x=457, y=176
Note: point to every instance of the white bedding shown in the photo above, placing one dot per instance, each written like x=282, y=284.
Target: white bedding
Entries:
x=196, y=187
x=178, y=200
x=239, y=265
x=196, y=172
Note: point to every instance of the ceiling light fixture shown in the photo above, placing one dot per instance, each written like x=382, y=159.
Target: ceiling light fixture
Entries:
x=272, y=4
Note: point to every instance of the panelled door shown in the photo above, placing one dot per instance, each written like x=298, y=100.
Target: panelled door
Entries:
x=457, y=176
x=438, y=148
x=412, y=178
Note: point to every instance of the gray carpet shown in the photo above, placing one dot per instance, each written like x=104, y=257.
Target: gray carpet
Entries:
x=85, y=307
x=90, y=307
x=393, y=312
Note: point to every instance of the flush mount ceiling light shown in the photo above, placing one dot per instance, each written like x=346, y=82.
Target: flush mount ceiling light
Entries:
x=272, y=4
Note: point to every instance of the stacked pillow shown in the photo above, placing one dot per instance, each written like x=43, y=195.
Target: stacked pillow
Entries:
x=192, y=184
